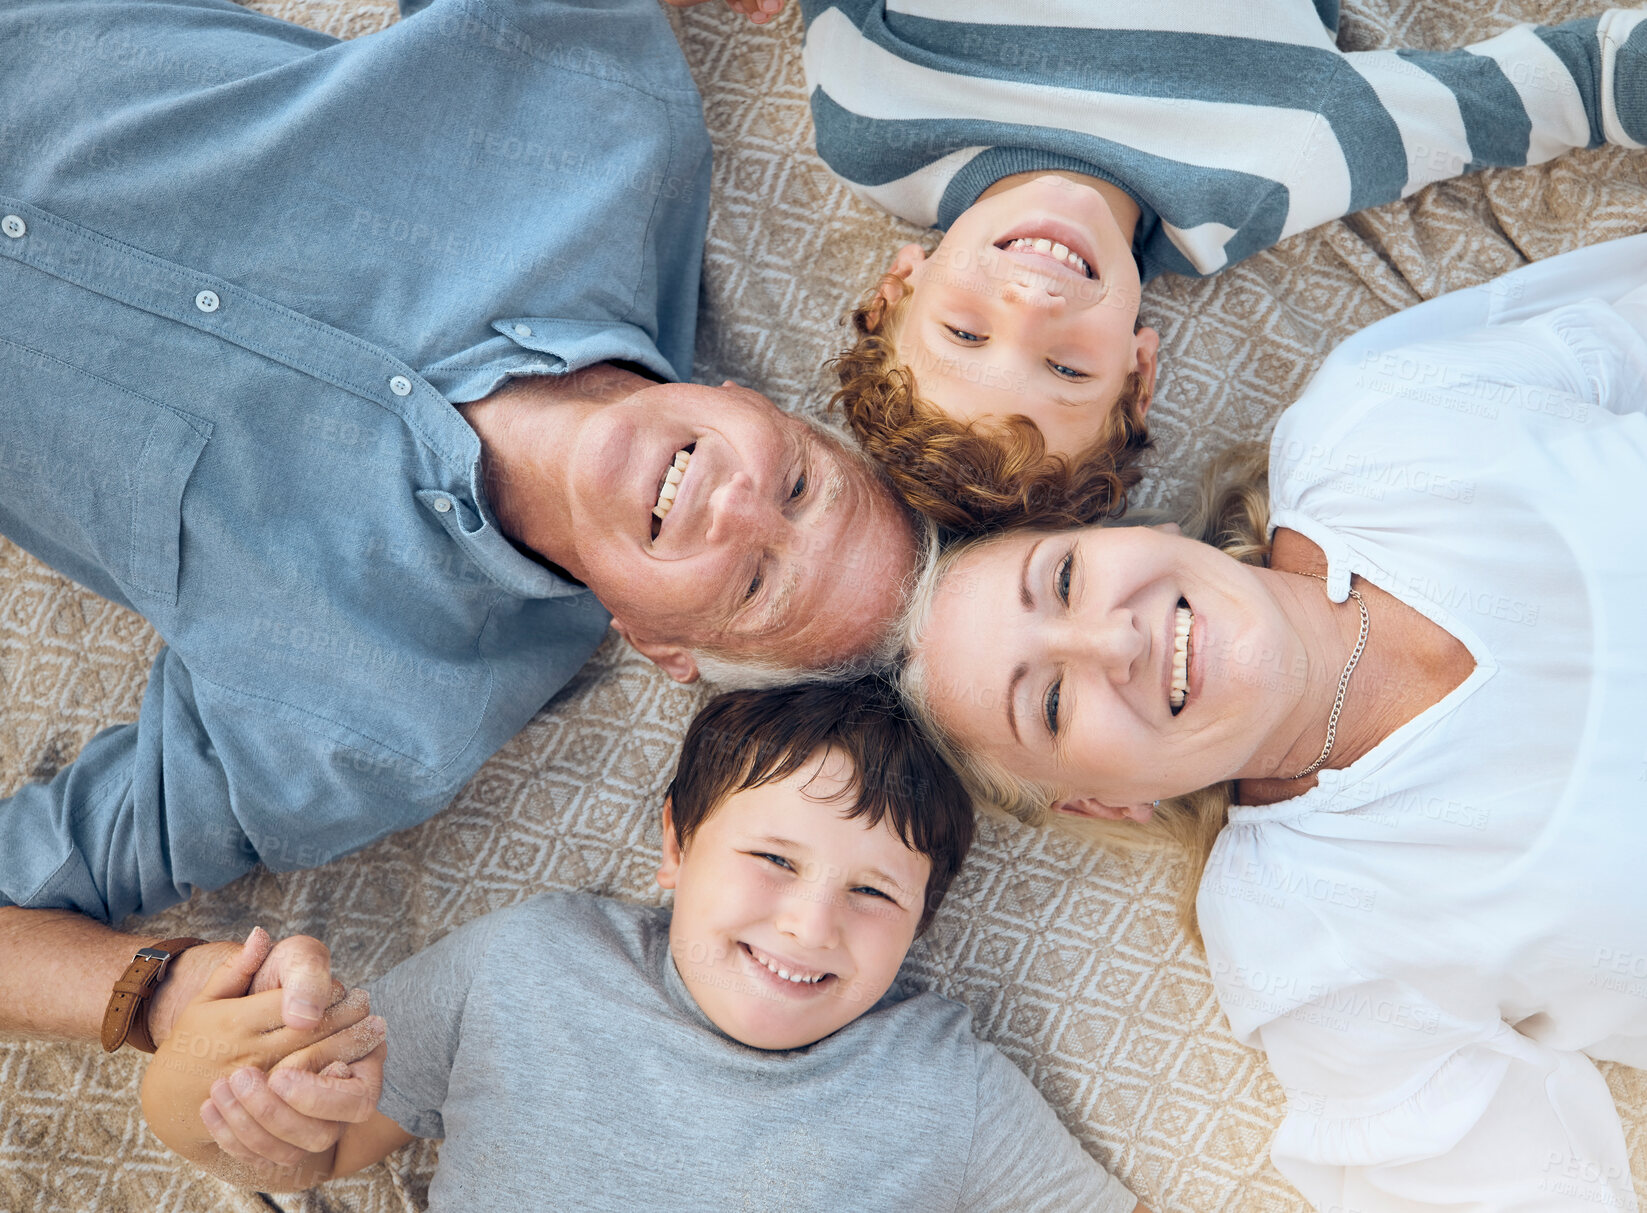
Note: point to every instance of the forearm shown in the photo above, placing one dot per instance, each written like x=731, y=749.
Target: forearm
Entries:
x=56, y=971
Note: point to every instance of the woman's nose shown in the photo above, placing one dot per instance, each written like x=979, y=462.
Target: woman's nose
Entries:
x=1114, y=642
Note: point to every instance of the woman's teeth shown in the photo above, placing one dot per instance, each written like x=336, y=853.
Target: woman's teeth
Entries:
x=671, y=485
x=786, y=974
x=1180, y=656
x=1059, y=251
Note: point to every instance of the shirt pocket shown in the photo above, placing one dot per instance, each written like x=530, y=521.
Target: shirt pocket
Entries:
x=97, y=471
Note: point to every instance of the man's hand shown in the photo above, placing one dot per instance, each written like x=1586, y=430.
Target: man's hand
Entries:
x=224, y=1030
x=299, y=966
x=758, y=11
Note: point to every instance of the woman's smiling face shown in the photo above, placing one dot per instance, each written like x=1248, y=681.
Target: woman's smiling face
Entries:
x=1053, y=654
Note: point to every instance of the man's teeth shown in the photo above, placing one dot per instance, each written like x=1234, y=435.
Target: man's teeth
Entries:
x=787, y=975
x=671, y=485
x=1061, y=252
x=1180, y=655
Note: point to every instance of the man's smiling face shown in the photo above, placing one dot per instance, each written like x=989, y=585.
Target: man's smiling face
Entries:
x=775, y=543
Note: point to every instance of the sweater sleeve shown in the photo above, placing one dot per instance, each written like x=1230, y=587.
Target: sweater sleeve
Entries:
x=1402, y=119
x=1023, y=1159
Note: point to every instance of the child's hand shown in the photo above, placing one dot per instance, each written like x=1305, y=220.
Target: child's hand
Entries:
x=758, y=11
x=304, y=1104
x=221, y=1031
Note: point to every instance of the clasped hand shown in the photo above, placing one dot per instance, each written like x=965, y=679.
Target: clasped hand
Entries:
x=235, y=1089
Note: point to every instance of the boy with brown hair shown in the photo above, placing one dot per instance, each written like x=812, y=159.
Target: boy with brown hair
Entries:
x=747, y=1048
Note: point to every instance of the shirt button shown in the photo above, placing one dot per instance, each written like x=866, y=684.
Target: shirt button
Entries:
x=523, y=330
x=400, y=385
x=443, y=505
x=13, y=226
x=207, y=301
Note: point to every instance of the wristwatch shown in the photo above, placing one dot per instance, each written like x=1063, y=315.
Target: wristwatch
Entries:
x=126, y=1021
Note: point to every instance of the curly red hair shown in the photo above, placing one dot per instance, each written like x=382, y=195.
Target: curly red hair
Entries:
x=975, y=477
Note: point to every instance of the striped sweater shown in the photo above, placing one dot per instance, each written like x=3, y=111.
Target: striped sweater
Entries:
x=1232, y=125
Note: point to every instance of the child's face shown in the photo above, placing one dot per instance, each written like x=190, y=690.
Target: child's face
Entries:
x=778, y=879
x=998, y=326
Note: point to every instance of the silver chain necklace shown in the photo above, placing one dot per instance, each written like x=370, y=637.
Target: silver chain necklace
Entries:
x=1343, y=683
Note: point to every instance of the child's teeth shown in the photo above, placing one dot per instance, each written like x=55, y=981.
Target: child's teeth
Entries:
x=1060, y=251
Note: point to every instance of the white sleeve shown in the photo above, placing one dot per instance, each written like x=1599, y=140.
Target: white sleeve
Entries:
x=1394, y=1106
x=1023, y=1159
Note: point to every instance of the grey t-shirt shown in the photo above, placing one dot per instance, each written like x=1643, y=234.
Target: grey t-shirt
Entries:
x=555, y=1048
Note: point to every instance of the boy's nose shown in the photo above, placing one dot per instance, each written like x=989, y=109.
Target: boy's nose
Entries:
x=808, y=917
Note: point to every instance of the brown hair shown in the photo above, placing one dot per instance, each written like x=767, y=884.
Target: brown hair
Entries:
x=745, y=739
x=1232, y=514
x=972, y=477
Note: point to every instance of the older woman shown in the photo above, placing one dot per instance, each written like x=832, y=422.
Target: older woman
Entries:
x=1409, y=748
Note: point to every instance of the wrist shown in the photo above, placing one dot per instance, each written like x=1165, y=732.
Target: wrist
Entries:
x=183, y=979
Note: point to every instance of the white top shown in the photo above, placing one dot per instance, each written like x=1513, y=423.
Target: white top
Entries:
x=1433, y=944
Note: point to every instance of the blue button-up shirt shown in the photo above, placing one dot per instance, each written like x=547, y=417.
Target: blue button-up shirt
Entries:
x=245, y=271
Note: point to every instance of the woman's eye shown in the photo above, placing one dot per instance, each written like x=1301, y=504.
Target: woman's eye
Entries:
x=1061, y=579
x=1054, y=692
x=799, y=491
x=963, y=335
x=1068, y=372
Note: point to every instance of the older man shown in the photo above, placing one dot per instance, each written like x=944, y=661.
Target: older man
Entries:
x=352, y=366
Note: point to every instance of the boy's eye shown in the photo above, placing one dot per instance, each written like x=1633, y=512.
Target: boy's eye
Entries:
x=776, y=860
x=1067, y=372
x=963, y=335
x=872, y=892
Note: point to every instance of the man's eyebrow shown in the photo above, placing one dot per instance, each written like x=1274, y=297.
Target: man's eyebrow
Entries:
x=777, y=604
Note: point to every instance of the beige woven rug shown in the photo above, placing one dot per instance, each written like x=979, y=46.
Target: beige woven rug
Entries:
x=1067, y=956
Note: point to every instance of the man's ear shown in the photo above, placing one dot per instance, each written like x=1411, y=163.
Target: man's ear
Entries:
x=1146, y=346
x=669, y=869
x=672, y=659
x=1086, y=806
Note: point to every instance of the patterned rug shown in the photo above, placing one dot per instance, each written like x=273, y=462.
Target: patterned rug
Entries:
x=1067, y=956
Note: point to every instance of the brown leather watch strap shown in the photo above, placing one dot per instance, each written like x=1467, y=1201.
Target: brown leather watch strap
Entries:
x=126, y=1021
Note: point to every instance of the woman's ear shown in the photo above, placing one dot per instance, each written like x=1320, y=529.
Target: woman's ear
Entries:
x=1086, y=806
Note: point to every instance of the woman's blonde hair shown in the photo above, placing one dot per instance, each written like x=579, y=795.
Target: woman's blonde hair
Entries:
x=1231, y=513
